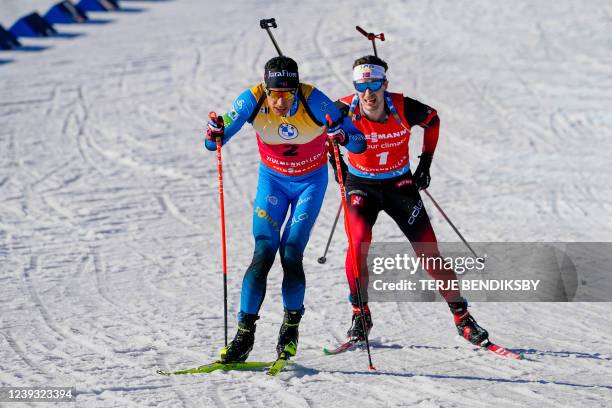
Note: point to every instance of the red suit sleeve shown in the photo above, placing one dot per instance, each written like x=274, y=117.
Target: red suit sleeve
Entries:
x=417, y=113
x=431, y=133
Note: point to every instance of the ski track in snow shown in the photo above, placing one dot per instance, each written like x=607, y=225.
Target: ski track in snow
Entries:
x=109, y=230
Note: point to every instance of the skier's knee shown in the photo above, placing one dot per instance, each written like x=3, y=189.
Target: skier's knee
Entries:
x=265, y=248
x=263, y=256
x=291, y=256
x=361, y=236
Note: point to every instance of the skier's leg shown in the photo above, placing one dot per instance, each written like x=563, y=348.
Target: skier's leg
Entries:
x=269, y=211
x=363, y=208
x=306, y=203
x=405, y=207
x=305, y=206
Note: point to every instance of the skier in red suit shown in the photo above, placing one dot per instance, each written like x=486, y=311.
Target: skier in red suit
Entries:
x=380, y=179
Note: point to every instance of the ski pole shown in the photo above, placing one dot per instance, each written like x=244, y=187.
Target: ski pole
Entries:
x=322, y=259
x=435, y=203
x=266, y=24
x=372, y=37
x=351, y=249
x=213, y=116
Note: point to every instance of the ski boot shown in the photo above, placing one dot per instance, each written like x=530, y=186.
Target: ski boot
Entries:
x=356, y=332
x=466, y=324
x=289, y=334
x=238, y=349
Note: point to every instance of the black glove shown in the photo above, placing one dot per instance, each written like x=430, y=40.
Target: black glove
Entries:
x=421, y=177
x=215, y=128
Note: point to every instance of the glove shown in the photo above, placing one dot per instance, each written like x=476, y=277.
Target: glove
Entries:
x=336, y=134
x=215, y=128
x=421, y=177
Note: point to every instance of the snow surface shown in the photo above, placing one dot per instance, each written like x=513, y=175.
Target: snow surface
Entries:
x=109, y=231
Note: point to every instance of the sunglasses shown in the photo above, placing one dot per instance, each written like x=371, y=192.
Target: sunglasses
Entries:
x=373, y=86
x=276, y=95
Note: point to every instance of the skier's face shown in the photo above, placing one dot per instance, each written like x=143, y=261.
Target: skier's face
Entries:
x=280, y=100
x=369, y=100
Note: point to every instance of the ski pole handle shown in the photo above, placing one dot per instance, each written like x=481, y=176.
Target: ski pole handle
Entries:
x=213, y=116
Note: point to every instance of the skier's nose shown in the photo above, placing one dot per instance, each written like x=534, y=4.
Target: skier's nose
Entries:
x=282, y=103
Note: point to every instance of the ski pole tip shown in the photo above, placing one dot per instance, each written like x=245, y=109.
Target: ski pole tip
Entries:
x=322, y=260
x=371, y=368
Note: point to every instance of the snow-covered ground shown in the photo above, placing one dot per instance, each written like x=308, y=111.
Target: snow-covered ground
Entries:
x=109, y=231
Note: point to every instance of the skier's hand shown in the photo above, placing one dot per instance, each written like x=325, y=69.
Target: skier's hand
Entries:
x=421, y=175
x=215, y=128
x=336, y=135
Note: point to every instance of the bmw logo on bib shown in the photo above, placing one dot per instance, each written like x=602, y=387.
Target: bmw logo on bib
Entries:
x=287, y=131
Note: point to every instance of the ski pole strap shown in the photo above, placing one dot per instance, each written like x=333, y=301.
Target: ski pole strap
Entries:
x=354, y=104
x=392, y=108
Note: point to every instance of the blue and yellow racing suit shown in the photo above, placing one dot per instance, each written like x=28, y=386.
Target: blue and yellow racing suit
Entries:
x=291, y=186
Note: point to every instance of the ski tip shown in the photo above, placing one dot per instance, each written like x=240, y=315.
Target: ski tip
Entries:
x=326, y=351
x=161, y=372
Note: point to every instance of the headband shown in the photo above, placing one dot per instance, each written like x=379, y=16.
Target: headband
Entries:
x=368, y=71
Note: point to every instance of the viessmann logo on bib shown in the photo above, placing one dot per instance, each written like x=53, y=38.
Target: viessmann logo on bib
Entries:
x=287, y=131
x=375, y=137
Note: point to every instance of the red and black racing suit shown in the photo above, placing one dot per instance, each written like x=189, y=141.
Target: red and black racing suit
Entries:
x=380, y=179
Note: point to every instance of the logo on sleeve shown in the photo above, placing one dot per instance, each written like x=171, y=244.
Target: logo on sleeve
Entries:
x=287, y=131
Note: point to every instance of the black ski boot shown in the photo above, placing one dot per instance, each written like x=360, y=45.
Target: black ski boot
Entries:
x=466, y=324
x=356, y=332
x=289, y=334
x=238, y=349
